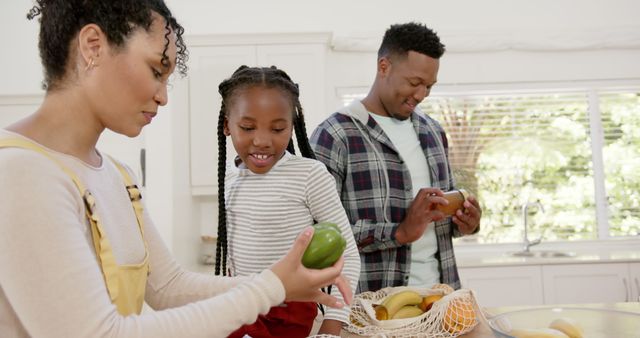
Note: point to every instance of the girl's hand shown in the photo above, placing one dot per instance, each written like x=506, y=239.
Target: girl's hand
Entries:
x=303, y=284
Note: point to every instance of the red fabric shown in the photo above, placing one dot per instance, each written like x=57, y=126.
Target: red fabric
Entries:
x=291, y=320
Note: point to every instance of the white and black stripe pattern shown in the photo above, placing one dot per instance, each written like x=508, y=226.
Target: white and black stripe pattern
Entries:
x=266, y=212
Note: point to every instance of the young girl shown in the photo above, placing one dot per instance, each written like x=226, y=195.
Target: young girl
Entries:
x=269, y=194
x=78, y=252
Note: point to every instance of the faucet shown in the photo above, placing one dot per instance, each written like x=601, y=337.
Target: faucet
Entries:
x=525, y=209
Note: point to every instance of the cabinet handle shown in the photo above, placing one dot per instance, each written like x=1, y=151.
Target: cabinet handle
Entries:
x=637, y=287
x=626, y=290
x=143, y=166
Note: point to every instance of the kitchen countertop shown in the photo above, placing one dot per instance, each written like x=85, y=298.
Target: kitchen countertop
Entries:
x=599, y=325
x=482, y=330
x=470, y=256
x=628, y=307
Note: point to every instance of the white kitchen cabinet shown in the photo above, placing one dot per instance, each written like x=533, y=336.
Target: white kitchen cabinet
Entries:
x=125, y=149
x=586, y=283
x=14, y=108
x=504, y=286
x=213, y=60
x=634, y=282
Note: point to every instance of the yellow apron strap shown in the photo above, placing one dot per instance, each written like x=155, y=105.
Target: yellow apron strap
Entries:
x=21, y=143
x=100, y=242
x=135, y=195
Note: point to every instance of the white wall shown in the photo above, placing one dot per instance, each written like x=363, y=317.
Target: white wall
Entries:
x=489, y=41
x=354, y=16
x=21, y=72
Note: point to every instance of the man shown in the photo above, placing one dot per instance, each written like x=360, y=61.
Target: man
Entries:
x=391, y=165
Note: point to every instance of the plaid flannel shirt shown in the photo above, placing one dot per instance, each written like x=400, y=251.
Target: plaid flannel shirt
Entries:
x=360, y=181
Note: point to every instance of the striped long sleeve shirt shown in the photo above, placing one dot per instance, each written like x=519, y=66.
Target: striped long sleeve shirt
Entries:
x=266, y=212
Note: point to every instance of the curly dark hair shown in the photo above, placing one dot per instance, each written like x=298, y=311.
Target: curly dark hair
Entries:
x=399, y=39
x=61, y=20
x=243, y=78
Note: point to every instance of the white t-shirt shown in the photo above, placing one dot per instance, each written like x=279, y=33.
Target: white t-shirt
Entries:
x=424, y=265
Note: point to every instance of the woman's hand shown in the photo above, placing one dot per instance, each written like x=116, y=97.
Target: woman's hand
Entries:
x=303, y=284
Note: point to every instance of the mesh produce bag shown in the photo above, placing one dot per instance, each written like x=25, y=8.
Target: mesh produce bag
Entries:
x=456, y=313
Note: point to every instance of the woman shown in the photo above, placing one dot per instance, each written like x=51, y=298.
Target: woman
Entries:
x=78, y=253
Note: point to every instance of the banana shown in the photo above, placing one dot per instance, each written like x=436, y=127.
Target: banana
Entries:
x=395, y=302
x=381, y=312
x=568, y=326
x=427, y=302
x=537, y=333
x=407, y=311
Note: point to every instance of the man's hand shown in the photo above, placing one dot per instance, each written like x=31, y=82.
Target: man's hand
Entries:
x=421, y=212
x=469, y=220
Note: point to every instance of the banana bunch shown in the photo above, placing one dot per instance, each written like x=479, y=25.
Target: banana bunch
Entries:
x=404, y=304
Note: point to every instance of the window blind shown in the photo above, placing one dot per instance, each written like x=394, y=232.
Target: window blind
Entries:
x=620, y=116
x=510, y=148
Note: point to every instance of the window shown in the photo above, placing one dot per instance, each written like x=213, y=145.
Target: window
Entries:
x=620, y=116
x=555, y=147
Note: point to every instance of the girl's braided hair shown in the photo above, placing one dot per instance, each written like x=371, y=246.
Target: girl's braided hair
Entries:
x=243, y=78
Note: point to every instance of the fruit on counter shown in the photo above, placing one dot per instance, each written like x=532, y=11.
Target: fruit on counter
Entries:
x=326, y=247
x=559, y=328
x=568, y=326
x=407, y=311
x=459, y=316
x=537, y=333
x=427, y=302
x=395, y=302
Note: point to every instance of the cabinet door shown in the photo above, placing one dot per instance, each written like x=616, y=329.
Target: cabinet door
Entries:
x=585, y=283
x=208, y=67
x=634, y=281
x=14, y=108
x=305, y=65
x=125, y=149
x=504, y=286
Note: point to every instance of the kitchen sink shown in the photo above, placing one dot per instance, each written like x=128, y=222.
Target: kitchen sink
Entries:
x=542, y=254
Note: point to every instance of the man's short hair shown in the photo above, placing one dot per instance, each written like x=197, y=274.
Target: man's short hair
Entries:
x=399, y=39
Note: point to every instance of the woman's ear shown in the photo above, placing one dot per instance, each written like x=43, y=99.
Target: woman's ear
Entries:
x=92, y=44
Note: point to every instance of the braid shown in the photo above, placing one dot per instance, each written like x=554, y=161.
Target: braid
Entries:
x=221, y=247
x=299, y=126
x=245, y=77
x=301, y=133
x=290, y=147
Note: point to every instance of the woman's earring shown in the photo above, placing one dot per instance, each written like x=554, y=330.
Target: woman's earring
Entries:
x=89, y=65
